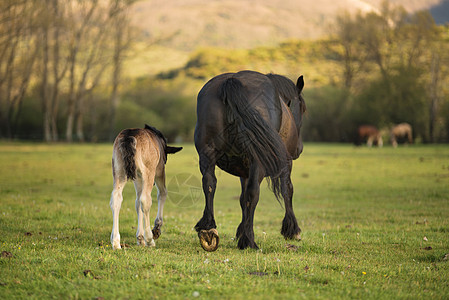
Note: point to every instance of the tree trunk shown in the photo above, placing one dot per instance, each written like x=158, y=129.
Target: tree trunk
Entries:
x=433, y=107
x=44, y=89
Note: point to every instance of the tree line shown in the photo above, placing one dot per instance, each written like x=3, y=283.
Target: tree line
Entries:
x=61, y=74
x=51, y=47
x=396, y=67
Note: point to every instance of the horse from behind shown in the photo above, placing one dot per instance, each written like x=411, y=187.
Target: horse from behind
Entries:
x=248, y=124
x=140, y=154
x=401, y=132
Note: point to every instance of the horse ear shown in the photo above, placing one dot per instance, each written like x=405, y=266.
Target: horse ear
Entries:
x=171, y=150
x=300, y=83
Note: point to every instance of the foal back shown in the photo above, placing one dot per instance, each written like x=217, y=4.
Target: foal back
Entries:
x=136, y=154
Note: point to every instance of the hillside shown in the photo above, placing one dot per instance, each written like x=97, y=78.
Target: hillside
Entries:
x=187, y=25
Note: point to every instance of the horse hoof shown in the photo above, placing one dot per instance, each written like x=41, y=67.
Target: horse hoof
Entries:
x=140, y=240
x=209, y=239
x=297, y=237
x=151, y=243
x=156, y=233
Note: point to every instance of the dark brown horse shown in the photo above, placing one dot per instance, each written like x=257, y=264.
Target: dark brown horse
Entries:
x=249, y=126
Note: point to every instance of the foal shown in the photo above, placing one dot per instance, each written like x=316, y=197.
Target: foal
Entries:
x=140, y=155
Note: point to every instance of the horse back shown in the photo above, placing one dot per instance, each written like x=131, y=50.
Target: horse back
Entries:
x=261, y=96
x=137, y=150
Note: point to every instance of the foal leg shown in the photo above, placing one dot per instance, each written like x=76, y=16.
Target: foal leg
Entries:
x=249, y=203
x=115, y=204
x=206, y=226
x=370, y=140
x=140, y=228
x=161, y=196
x=145, y=205
x=290, y=228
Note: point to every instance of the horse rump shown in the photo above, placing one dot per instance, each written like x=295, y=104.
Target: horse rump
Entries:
x=127, y=148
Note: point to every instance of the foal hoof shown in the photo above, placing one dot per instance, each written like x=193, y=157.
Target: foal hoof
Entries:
x=156, y=233
x=209, y=239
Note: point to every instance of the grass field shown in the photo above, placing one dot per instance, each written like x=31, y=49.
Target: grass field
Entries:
x=375, y=225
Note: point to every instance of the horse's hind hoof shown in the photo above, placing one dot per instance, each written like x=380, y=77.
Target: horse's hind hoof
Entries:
x=297, y=237
x=156, y=233
x=209, y=239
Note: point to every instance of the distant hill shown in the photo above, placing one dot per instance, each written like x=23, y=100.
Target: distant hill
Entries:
x=187, y=25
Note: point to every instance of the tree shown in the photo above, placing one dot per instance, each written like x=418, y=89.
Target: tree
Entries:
x=438, y=79
x=18, y=52
x=406, y=50
x=118, y=13
x=351, y=53
x=86, y=60
x=53, y=68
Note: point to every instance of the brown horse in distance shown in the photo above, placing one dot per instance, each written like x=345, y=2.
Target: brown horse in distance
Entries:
x=370, y=134
x=401, y=131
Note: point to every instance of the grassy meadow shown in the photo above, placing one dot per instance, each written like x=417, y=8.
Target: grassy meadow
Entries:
x=375, y=225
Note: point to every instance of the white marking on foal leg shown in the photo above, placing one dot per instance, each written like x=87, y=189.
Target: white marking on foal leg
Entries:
x=115, y=204
x=140, y=230
x=145, y=204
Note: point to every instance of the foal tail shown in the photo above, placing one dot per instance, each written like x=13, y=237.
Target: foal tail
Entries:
x=254, y=136
x=127, y=148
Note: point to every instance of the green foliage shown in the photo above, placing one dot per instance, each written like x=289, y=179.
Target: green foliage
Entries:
x=401, y=99
x=205, y=63
x=133, y=115
x=172, y=106
x=371, y=232
x=329, y=115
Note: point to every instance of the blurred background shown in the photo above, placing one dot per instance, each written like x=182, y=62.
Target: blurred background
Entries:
x=80, y=71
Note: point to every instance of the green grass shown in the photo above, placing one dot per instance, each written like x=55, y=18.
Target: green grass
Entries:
x=375, y=225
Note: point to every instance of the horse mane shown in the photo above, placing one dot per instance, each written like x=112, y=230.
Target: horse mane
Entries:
x=284, y=86
x=161, y=138
x=156, y=132
x=255, y=137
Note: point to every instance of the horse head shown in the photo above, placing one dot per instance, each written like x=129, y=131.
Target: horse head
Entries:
x=291, y=95
x=298, y=108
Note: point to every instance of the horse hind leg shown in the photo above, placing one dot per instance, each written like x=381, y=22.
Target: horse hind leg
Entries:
x=145, y=205
x=161, y=196
x=115, y=204
x=249, y=203
x=243, y=183
x=140, y=222
x=206, y=227
x=290, y=228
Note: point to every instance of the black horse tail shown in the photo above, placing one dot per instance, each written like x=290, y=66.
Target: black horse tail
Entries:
x=254, y=136
x=128, y=150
